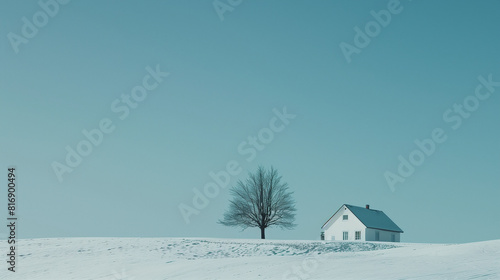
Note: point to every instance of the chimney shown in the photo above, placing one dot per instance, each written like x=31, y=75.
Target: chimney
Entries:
x=367, y=206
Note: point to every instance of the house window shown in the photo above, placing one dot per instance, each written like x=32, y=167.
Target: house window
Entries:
x=377, y=236
x=322, y=236
x=357, y=235
x=345, y=217
x=346, y=235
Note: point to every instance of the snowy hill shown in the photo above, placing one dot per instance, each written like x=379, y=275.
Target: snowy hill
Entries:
x=196, y=258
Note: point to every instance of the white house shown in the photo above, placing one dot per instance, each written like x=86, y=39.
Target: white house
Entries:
x=358, y=223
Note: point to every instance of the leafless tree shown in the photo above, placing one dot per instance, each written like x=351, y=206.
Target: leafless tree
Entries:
x=261, y=201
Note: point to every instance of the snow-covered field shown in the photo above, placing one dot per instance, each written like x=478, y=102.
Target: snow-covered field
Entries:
x=202, y=258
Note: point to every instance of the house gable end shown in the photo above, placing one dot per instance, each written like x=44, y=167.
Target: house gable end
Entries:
x=337, y=215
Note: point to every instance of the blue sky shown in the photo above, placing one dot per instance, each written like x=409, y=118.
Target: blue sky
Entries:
x=227, y=76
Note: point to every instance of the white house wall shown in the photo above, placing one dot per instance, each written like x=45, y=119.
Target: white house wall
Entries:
x=336, y=226
x=384, y=235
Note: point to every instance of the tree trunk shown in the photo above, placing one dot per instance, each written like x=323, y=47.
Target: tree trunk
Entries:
x=262, y=233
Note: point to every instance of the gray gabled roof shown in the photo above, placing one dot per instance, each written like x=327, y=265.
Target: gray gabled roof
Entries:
x=375, y=219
